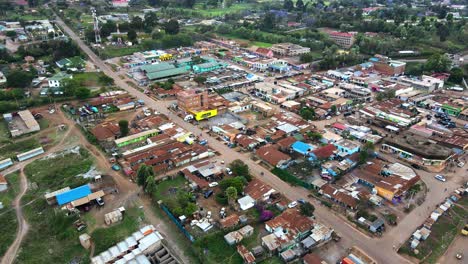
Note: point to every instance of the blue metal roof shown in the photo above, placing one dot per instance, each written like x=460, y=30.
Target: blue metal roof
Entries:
x=302, y=147
x=73, y=194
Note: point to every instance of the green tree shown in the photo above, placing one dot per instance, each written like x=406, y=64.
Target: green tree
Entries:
x=200, y=80
x=314, y=136
x=172, y=27
x=456, y=75
x=231, y=194
x=132, y=35
x=19, y=79
x=82, y=92
x=190, y=209
x=437, y=63
x=150, y=184
x=307, y=113
x=151, y=20
x=11, y=34
x=307, y=209
x=236, y=182
x=300, y=5
x=239, y=168
x=144, y=172
x=269, y=21
x=106, y=80
x=123, y=125
x=137, y=23
x=288, y=5
x=333, y=108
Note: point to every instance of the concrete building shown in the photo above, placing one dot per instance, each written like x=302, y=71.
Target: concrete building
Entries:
x=387, y=66
x=289, y=49
x=192, y=99
x=418, y=150
x=342, y=39
x=425, y=83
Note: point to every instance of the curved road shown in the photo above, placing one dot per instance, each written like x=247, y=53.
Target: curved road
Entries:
x=378, y=248
x=23, y=226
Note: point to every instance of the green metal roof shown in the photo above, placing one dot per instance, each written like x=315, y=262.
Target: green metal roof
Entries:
x=166, y=73
x=150, y=68
x=60, y=76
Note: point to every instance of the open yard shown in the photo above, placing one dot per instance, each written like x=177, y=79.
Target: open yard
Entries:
x=52, y=237
x=443, y=232
x=214, y=249
x=7, y=214
x=106, y=237
x=11, y=149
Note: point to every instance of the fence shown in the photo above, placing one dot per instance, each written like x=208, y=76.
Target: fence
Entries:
x=178, y=224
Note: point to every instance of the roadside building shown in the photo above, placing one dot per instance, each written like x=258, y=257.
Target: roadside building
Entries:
x=265, y=52
x=106, y=132
x=418, y=150
x=273, y=157
x=286, y=231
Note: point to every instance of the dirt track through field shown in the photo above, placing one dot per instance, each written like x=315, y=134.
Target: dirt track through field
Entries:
x=23, y=226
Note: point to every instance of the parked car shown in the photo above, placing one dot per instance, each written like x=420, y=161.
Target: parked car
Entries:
x=213, y=184
x=229, y=171
x=416, y=166
x=461, y=164
x=208, y=193
x=465, y=230
x=347, y=114
x=100, y=201
x=301, y=201
x=440, y=178
x=292, y=204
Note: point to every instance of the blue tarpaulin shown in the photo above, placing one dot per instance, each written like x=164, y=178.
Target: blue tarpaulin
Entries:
x=73, y=194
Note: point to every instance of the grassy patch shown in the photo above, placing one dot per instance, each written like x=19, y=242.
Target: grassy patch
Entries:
x=4, y=132
x=7, y=214
x=89, y=79
x=442, y=234
x=163, y=188
x=111, y=52
x=288, y=177
x=261, y=44
x=52, y=237
x=12, y=149
x=216, y=249
x=105, y=238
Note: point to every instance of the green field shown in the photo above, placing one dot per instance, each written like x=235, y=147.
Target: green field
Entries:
x=443, y=232
x=217, y=250
x=10, y=150
x=163, y=189
x=213, y=12
x=105, y=238
x=4, y=132
x=52, y=237
x=111, y=52
x=250, y=43
x=8, y=214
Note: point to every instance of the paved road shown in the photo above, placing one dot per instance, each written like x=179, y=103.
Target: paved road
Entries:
x=380, y=249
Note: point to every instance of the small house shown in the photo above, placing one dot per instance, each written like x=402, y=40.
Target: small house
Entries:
x=3, y=183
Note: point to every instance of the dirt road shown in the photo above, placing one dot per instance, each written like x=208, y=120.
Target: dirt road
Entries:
x=23, y=226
